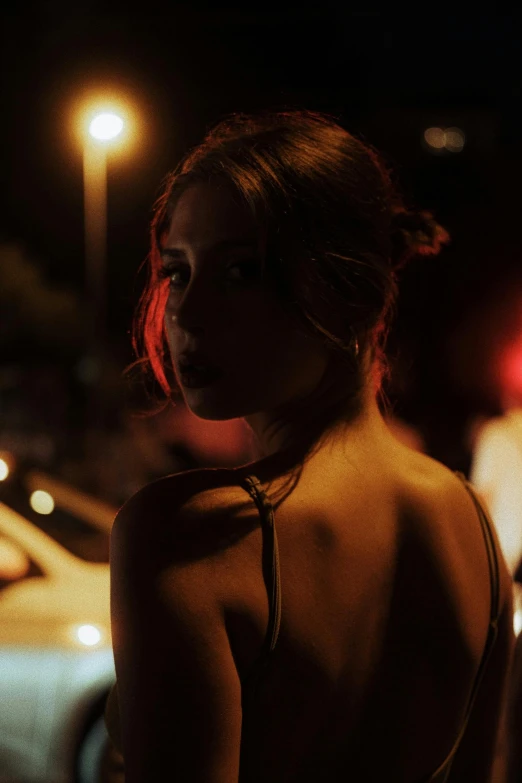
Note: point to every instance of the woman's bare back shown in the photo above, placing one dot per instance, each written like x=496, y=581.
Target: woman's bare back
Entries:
x=385, y=611
x=385, y=590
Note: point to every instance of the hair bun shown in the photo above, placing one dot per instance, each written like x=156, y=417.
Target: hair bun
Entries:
x=415, y=233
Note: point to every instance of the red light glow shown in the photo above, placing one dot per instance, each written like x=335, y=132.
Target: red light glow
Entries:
x=511, y=369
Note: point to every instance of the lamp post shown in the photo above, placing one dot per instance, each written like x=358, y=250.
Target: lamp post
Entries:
x=103, y=128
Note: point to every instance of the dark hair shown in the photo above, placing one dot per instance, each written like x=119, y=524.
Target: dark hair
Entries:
x=337, y=228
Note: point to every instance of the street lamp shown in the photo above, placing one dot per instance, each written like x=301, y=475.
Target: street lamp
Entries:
x=103, y=128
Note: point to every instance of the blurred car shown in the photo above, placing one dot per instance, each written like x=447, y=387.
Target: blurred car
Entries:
x=56, y=661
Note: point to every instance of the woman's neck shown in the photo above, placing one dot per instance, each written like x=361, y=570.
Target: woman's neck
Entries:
x=305, y=431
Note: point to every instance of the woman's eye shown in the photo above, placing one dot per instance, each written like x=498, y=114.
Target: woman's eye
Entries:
x=243, y=271
x=238, y=272
x=175, y=276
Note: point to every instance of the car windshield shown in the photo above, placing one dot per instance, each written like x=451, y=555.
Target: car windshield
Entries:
x=82, y=539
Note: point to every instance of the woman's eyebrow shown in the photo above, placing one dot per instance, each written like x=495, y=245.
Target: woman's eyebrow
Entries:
x=229, y=244
x=172, y=252
x=223, y=244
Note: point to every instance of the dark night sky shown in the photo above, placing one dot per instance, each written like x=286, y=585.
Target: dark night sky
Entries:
x=387, y=76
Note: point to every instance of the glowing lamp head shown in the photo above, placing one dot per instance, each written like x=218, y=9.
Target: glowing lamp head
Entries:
x=106, y=126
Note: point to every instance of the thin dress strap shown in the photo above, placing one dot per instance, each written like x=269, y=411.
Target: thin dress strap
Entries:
x=441, y=774
x=271, y=574
x=272, y=578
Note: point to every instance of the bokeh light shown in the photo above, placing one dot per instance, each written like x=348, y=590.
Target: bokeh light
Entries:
x=88, y=635
x=445, y=139
x=455, y=139
x=510, y=370
x=435, y=138
x=41, y=502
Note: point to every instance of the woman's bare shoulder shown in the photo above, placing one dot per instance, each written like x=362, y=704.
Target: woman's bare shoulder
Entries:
x=188, y=514
x=440, y=509
x=433, y=488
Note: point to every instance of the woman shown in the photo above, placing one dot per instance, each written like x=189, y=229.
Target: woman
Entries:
x=338, y=609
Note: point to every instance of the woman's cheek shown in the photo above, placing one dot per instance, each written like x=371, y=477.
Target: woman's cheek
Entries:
x=170, y=299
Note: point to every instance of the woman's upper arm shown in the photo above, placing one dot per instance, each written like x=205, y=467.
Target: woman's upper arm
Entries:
x=178, y=687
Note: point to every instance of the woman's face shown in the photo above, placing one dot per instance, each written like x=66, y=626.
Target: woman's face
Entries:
x=250, y=355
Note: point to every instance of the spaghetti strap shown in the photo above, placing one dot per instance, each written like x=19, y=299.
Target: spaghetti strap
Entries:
x=271, y=575
x=494, y=568
x=442, y=772
x=272, y=579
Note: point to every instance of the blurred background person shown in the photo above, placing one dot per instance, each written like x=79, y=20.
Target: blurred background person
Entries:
x=496, y=445
x=496, y=472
